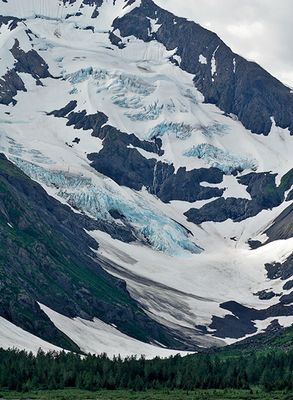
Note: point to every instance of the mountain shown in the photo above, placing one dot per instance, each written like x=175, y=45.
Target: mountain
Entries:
x=146, y=182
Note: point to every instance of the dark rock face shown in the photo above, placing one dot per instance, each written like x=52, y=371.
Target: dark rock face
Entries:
x=219, y=210
x=264, y=195
x=238, y=86
x=97, y=123
x=10, y=84
x=287, y=298
x=11, y=22
x=185, y=185
x=128, y=167
x=282, y=228
x=114, y=39
x=241, y=322
x=288, y=285
x=124, y=165
x=28, y=62
x=265, y=295
x=96, y=3
x=44, y=244
x=282, y=271
x=254, y=244
x=64, y=110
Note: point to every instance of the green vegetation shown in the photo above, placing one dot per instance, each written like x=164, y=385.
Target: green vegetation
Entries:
x=270, y=370
x=261, y=368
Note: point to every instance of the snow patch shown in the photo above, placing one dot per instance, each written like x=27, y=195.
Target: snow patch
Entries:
x=214, y=64
x=103, y=338
x=202, y=59
x=234, y=65
x=154, y=25
x=11, y=337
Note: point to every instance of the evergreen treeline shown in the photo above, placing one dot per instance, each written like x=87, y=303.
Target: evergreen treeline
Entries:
x=23, y=372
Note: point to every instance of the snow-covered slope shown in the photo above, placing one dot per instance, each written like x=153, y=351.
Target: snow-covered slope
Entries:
x=110, y=118
x=13, y=337
x=104, y=338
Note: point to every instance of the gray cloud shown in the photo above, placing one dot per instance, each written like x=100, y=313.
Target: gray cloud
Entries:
x=259, y=30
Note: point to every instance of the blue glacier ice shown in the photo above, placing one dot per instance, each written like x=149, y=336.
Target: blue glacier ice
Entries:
x=51, y=178
x=114, y=82
x=124, y=101
x=127, y=91
x=180, y=130
x=159, y=231
x=130, y=92
x=222, y=159
x=215, y=129
x=132, y=83
x=150, y=112
x=80, y=75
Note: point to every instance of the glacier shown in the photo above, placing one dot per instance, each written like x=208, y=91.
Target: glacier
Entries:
x=130, y=92
x=180, y=130
x=183, y=131
x=221, y=159
x=215, y=129
x=150, y=112
x=159, y=231
x=17, y=150
x=111, y=81
x=80, y=76
x=126, y=90
x=142, y=92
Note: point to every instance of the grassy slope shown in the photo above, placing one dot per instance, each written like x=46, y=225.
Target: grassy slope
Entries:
x=75, y=394
x=281, y=340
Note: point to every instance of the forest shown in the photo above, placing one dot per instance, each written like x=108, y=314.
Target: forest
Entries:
x=23, y=372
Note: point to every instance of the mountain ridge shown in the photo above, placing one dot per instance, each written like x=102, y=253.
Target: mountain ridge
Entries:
x=119, y=111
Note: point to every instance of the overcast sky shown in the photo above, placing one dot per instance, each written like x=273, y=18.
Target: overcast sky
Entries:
x=259, y=30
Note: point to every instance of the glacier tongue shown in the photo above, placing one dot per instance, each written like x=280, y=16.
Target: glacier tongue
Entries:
x=159, y=231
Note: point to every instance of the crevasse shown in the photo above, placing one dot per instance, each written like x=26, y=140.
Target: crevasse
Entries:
x=222, y=159
x=180, y=130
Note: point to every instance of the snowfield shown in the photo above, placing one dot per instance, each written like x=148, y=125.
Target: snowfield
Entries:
x=13, y=337
x=104, y=338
